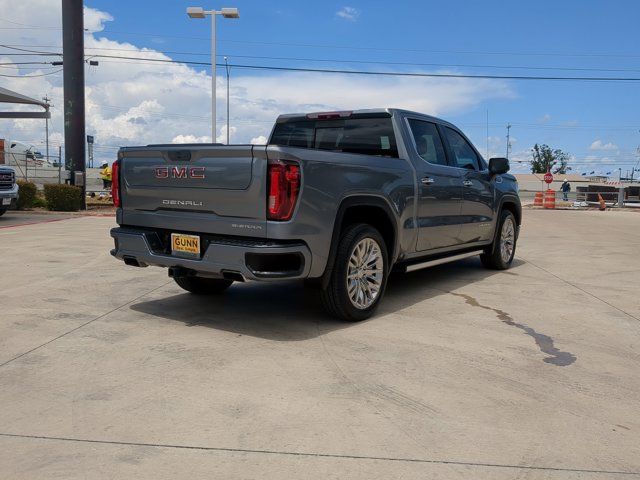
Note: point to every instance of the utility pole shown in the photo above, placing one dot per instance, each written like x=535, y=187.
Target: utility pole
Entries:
x=508, y=139
x=59, y=164
x=46, y=127
x=635, y=167
x=73, y=68
x=487, y=134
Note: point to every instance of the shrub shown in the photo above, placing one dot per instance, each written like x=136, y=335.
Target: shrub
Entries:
x=27, y=194
x=63, y=198
x=39, y=202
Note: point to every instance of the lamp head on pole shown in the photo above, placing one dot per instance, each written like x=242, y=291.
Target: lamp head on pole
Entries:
x=195, y=12
x=230, y=13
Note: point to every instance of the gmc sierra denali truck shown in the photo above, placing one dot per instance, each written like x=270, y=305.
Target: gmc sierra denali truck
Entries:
x=336, y=198
x=8, y=189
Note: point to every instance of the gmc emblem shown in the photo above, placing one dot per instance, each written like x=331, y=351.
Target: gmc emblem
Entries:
x=179, y=172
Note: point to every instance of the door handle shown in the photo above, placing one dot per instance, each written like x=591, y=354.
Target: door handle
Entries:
x=467, y=183
x=428, y=180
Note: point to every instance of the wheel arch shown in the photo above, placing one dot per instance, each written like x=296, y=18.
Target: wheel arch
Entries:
x=368, y=209
x=512, y=204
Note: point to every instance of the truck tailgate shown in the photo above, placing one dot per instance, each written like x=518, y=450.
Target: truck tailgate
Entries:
x=204, y=188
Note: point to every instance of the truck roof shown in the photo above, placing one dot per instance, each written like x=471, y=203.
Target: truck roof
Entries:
x=365, y=111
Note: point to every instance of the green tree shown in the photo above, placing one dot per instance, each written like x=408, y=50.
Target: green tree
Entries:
x=543, y=160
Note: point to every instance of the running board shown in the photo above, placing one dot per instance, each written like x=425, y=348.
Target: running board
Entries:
x=440, y=261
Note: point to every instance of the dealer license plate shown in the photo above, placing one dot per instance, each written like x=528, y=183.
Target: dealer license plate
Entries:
x=183, y=245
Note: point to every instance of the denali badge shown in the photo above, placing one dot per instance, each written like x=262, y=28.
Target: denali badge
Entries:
x=179, y=172
x=183, y=203
x=247, y=226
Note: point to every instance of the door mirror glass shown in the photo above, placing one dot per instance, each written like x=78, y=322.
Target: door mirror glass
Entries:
x=498, y=165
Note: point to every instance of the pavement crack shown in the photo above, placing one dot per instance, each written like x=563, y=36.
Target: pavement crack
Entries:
x=324, y=455
x=81, y=326
x=582, y=289
x=544, y=342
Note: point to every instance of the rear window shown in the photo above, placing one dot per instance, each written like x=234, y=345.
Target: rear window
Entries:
x=367, y=136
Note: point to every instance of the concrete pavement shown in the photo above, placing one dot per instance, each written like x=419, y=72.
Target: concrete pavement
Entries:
x=109, y=371
x=14, y=218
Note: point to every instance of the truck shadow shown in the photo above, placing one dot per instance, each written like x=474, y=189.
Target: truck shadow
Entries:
x=286, y=311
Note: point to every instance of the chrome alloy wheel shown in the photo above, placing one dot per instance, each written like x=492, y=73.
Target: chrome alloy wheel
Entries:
x=507, y=240
x=365, y=273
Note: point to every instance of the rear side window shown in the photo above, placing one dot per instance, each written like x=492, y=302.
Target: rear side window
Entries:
x=367, y=136
x=464, y=155
x=428, y=142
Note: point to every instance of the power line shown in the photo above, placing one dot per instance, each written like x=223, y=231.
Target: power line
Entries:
x=346, y=47
x=377, y=49
x=27, y=50
x=24, y=63
x=381, y=73
x=31, y=76
x=351, y=61
x=373, y=73
x=377, y=62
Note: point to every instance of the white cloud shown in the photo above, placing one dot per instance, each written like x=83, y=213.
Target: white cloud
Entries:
x=348, y=13
x=545, y=118
x=94, y=19
x=259, y=140
x=130, y=102
x=222, y=138
x=520, y=161
x=598, y=145
x=191, y=139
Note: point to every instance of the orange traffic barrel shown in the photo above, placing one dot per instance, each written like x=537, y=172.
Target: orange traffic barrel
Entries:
x=537, y=201
x=550, y=199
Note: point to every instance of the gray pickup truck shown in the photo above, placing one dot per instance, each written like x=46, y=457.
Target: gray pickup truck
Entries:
x=8, y=189
x=336, y=198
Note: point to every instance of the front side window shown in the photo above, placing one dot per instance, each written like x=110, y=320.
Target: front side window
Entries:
x=367, y=136
x=464, y=155
x=428, y=142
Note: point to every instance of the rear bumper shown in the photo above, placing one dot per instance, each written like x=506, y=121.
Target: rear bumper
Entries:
x=224, y=257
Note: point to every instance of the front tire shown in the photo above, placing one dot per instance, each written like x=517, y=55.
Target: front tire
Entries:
x=203, y=286
x=3, y=211
x=500, y=255
x=359, y=274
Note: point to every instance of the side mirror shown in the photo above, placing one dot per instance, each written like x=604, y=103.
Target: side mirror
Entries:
x=498, y=166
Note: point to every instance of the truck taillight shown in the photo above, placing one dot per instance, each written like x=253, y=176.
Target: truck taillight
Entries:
x=115, y=183
x=283, y=184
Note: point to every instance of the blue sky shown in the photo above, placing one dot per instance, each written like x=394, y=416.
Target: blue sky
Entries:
x=598, y=123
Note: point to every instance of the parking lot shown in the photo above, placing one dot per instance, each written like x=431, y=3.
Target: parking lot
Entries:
x=109, y=371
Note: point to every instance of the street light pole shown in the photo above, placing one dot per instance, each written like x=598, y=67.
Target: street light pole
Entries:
x=226, y=66
x=199, y=12
x=213, y=78
x=46, y=127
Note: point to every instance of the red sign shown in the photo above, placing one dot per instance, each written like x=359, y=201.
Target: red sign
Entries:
x=548, y=178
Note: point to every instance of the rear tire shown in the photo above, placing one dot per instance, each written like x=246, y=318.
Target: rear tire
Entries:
x=500, y=255
x=359, y=274
x=203, y=286
x=3, y=211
